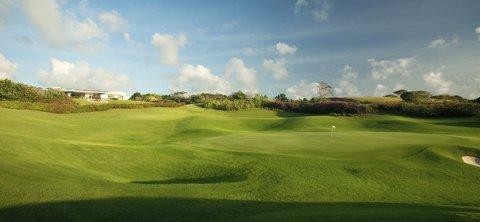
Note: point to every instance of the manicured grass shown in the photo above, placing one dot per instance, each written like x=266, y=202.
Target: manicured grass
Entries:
x=193, y=164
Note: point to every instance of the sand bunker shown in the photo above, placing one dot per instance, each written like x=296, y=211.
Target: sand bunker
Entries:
x=471, y=160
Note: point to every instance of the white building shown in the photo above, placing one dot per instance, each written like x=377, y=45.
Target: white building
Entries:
x=96, y=94
x=117, y=95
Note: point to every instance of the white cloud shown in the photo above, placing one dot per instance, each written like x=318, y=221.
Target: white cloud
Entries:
x=63, y=30
x=437, y=43
x=127, y=37
x=196, y=79
x=276, y=67
x=300, y=5
x=380, y=90
x=248, y=51
x=476, y=90
x=435, y=80
x=4, y=8
x=345, y=85
x=303, y=90
x=477, y=30
x=398, y=86
x=283, y=48
x=382, y=69
x=80, y=75
x=441, y=42
x=246, y=77
x=113, y=21
x=167, y=46
x=7, y=68
x=318, y=9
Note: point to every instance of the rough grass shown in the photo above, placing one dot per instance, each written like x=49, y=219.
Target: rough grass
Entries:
x=377, y=99
x=189, y=164
x=92, y=102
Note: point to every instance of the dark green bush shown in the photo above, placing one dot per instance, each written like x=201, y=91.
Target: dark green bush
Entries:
x=20, y=92
x=324, y=107
x=16, y=91
x=447, y=109
x=449, y=98
x=477, y=100
x=282, y=97
x=228, y=104
x=238, y=95
x=415, y=96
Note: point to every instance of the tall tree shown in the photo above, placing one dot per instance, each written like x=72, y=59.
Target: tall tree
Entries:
x=281, y=97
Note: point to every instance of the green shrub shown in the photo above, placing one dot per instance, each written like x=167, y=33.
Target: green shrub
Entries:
x=449, y=98
x=415, y=96
x=20, y=92
x=71, y=107
x=52, y=95
x=447, y=109
x=16, y=91
x=323, y=107
x=228, y=104
x=238, y=95
x=282, y=97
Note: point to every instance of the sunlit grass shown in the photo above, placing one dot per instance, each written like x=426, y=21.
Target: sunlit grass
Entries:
x=190, y=163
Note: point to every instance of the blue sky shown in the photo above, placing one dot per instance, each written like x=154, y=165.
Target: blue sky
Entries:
x=361, y=48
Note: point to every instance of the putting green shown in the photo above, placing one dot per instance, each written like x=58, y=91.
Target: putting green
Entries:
x=188, y=163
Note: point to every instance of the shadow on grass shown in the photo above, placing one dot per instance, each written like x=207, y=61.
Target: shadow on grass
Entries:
x=205, y=180
x=180, y=209
x=472, y=123
x=281, y=113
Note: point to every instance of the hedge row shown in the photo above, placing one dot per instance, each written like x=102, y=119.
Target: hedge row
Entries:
x=230, y=104
x=449, y=109
x=327, y=107
x=71, y=107
x=446, y=109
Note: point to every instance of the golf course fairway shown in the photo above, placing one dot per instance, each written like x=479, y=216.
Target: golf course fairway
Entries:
x=194, y=164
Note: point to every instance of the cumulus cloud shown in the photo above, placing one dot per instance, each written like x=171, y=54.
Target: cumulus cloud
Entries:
x=127, y=37
x=398, y=86
x=382, y=69
x=167, y=46
x=276, y=67
x=284, y=49
x=196, y=79
x=318, y=9
x=437, y=43
x=476, y=90
x=7, y=68
x=80, y=75
x=435, y=80
x=113, y=21
x=303, y=90
x=246, y=77
x=441, y=42
x=477, y=30
x=380, y=90
x=63, y=30
x=346, y=87
x=4, y=8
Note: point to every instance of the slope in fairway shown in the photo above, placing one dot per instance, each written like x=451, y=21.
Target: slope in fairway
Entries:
x=188, y=163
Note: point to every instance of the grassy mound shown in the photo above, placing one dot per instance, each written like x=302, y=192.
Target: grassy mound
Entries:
x=191, y=163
